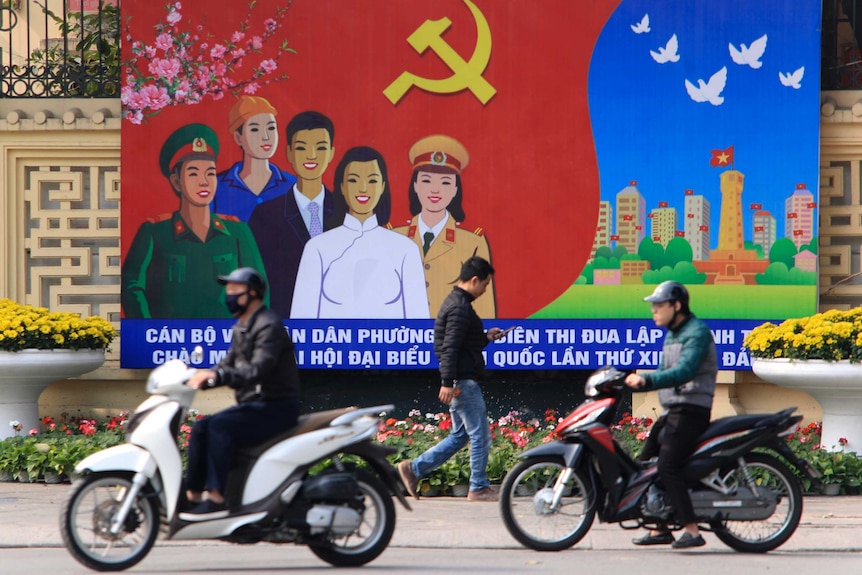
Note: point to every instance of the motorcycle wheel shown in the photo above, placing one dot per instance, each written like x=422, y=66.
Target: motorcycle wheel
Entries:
x=524, y=498
x=768, y=534
x=85, y=521
x=374, y=532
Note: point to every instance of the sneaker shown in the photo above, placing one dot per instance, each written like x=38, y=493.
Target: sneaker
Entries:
x=687, y=541
x=663, y=538
x=408, y=478
x=486, y=494
x=205, y=511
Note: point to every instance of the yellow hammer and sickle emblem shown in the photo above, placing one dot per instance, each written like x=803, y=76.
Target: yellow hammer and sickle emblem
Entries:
x=465, y=74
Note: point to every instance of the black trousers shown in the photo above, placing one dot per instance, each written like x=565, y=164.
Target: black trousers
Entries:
x=673, y=438
x=215, y=439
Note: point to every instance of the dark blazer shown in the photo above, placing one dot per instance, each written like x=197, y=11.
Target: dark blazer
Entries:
x=281, y=236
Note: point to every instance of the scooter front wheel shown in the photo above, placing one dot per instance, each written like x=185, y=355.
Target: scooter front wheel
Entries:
x=525, y=502
x=85, y=523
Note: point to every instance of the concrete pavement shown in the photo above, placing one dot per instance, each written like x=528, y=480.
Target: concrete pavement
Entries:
x=29, y=517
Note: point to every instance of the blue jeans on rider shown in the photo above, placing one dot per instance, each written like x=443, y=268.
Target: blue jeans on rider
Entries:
x=216, y=438
x=469, y=423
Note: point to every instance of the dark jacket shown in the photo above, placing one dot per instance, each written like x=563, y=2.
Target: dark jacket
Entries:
x=281, y=235
x=260, y=362
x=688, y=368
x=459, y=338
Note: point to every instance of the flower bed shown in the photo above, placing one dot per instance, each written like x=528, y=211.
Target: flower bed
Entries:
x=60, y=444
x=52, y=451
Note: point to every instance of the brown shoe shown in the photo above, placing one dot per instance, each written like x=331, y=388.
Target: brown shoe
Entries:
x=408, y=478
x=486, y=494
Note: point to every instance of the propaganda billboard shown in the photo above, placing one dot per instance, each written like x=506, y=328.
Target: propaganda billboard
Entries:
x=358, y=152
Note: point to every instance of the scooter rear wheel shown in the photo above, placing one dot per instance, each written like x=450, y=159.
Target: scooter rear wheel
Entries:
x=524, y=502
x=374, y=532
x=85, y=521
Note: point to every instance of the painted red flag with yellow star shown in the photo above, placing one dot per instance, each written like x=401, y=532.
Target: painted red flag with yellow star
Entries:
x=722, y=157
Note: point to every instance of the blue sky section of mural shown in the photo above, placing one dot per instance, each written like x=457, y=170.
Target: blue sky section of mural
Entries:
x=648, y=128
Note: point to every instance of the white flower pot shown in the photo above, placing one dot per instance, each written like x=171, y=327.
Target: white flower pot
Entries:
x=837, y=387
x=25, y=374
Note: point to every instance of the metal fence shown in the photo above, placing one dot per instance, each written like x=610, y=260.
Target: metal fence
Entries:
x=841, y=36
x=71, y=48
x=59, y=48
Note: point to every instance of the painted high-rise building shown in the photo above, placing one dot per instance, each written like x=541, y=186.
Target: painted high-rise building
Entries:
x=764, y=233
x=696, y=224
x=663, y=226
x=603, y=227
x=630, y=218
x=799, y=216
x=730, y=237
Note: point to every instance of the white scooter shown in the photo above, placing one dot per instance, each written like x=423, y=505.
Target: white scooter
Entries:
x=323, y=483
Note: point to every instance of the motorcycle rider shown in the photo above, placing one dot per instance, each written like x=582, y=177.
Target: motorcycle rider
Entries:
x=686, y=382
x=260, y=366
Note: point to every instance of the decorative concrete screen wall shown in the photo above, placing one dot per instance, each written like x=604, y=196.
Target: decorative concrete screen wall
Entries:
x=60, y=206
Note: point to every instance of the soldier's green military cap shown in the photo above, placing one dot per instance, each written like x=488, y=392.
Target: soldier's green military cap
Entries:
x=191, y=142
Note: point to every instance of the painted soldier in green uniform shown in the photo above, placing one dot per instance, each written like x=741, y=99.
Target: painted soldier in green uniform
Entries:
x=172, y=267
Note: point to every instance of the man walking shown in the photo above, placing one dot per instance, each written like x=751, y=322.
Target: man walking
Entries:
x=459, y=338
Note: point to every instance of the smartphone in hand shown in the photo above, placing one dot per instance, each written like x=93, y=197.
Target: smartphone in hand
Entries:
x=503, y=333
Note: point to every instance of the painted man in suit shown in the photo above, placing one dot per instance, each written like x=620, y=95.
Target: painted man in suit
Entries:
x=435, y=201
x=282, y=226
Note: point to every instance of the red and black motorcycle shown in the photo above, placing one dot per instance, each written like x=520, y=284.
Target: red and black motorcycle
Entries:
x=740, y=489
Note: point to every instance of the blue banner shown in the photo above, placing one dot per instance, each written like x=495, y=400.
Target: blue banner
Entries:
x=409, y=344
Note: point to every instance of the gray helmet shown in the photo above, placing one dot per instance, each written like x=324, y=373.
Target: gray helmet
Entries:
x=248, y=276
x=669, y=291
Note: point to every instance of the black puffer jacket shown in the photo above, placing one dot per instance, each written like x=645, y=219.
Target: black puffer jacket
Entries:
x=260, y=362
x=459, y=338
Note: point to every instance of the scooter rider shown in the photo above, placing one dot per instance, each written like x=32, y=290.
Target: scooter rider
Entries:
x=261, y=368
x=686, y=382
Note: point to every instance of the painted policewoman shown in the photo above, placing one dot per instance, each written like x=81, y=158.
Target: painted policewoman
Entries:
x=435, y=201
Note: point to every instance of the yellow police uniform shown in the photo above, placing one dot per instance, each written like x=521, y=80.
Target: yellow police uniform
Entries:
x=453, y=246
x=443, y=263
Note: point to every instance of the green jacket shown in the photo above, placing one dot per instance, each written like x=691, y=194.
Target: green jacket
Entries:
x=688, y=367
x=170, y=273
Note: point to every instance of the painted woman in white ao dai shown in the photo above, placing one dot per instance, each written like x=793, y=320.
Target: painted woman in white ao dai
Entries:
x=361, y=269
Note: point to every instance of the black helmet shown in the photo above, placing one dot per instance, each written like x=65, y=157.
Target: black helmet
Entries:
x=669, y=291
x=248, y=276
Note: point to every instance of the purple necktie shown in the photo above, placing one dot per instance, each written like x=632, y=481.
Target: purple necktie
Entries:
x=315, y=228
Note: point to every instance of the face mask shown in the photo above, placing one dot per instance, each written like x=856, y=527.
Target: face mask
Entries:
x=233, y=305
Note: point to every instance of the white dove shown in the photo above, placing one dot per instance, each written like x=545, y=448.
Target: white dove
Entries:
x=668, y=53
x=709, y=91
x=642, y=26
x=793, y=80
x=749, y=55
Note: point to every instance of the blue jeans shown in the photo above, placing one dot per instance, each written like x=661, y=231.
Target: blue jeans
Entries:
x=469, y=422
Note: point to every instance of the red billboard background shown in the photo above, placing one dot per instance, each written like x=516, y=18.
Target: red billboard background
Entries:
x=532, y=182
